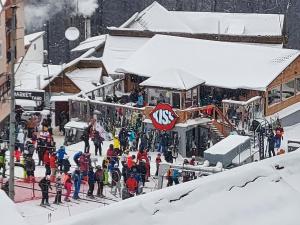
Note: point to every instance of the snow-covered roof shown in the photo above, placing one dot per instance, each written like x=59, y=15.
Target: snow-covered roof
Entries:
x=9, y=212
x=176, y=78
x=157, y=18
x=93, y=42
x=256, y=193
x=118, y=49
x=227, y=144
x=220, y=64
x=28, y=74
x=61, y=98
x=85, y=78
x=248, y=24
x=28, y=39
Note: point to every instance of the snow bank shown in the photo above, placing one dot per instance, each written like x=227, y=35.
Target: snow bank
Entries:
x=9, y=212
x=256, y=193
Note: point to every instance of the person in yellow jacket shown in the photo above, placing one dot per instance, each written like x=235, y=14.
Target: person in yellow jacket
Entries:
x=117, y=144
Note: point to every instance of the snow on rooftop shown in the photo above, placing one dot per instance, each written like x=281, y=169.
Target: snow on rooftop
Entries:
x=157, y=18
x=61, y=98
x=227, y=144
x=176, y=78
x=28, y=39
x=28, y=75
x=256, y=193
x=93, y=42
x=220, y=64
x=85, y=78
x=250, y=24
x=9, y=212
x=118, y=49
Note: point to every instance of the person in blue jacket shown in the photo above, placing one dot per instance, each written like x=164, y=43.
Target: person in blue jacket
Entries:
x=60, y=153
x=175, y=176
x=140, y=101
x=76, y=157
x=91, y=182
x=77, y=181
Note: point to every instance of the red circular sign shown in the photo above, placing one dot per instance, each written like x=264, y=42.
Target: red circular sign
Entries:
x=163, y=117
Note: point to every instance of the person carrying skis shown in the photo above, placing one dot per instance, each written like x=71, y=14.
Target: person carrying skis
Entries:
x=99, y=179
x=91, y=182
x=116, y=180
x=45, y=186
x=58, y=186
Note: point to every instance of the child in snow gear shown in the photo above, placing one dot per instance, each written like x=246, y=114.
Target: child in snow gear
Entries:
x=66, y=164
x=91, y=182
x=99, y=179
x=29, y=168
x=58, y=186
x=131, y=185
x=68, y=187
x=45, y=186
x=77, y=181
x=61, y=152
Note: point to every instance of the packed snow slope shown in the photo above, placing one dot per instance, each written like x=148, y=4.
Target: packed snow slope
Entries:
x=8, y=212
x=256, y=193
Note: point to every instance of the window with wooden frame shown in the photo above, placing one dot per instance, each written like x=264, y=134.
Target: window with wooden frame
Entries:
x=288, y=90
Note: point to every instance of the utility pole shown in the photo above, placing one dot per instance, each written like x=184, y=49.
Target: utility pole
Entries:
x=12, y=126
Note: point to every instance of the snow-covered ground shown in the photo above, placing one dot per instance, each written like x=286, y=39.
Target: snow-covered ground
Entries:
x=256, y=193
x=35, y=215
x=269, y=196
x=9, y=213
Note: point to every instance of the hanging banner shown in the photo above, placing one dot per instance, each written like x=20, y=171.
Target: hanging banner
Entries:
x=163, y=117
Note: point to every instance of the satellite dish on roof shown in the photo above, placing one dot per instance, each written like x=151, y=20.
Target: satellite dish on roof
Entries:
x=72, y=33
